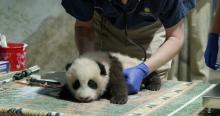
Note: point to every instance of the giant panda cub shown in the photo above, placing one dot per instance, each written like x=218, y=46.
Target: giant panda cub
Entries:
x=100, y=74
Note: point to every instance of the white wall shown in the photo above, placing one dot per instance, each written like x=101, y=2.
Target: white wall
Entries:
x=45, y=26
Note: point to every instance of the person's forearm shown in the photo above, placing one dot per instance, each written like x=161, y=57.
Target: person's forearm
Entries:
x=169, y=49
x=84, y=38
x=165, y=53
x=216, y=21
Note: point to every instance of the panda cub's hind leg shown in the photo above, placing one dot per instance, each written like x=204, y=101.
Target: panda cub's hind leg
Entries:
x=153, y=82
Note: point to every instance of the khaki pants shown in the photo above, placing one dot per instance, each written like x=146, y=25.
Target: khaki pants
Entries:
x=190, y=64
x=110, y=38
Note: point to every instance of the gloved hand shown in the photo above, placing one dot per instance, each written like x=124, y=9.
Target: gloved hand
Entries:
x=134, y=77
x=211, y=51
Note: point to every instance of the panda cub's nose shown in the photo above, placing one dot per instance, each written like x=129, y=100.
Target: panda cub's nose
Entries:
x=85, y=99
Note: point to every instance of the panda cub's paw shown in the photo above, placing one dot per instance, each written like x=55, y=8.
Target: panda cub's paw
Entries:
x=119, y=99
x=153, y=82
x=65, y=94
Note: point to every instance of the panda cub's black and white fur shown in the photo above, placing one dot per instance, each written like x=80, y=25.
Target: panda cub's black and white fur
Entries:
x=97, y=74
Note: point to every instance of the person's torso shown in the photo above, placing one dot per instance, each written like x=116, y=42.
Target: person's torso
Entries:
x=136, y=13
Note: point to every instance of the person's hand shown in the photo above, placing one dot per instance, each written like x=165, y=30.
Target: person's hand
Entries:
x=211, y=51
x=134, y=77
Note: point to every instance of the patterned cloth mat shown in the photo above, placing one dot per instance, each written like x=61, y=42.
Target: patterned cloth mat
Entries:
x=26, y=100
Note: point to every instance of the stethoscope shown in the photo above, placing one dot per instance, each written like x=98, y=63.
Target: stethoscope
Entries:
x=126, y=30
x=126, y=25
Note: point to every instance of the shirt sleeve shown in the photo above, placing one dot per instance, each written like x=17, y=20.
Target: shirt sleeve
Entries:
x=175, y=10
x=80, y=9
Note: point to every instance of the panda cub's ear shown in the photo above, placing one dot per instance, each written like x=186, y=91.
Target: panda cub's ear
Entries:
x=68, y=66
x=102, y=68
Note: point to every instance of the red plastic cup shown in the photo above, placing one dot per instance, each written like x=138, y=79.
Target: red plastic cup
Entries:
x=15, y=53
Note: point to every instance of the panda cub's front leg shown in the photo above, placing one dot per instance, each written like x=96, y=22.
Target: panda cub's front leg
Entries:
x=117, y=87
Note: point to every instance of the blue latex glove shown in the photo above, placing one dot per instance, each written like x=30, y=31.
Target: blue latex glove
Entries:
x=134, y=77
x=211, y=51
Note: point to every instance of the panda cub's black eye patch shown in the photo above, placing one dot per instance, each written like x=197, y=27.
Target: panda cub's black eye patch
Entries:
x=92, y=84
x=76, y=84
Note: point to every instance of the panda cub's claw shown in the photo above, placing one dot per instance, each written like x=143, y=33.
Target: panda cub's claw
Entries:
x=119, y=99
